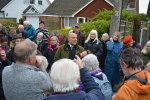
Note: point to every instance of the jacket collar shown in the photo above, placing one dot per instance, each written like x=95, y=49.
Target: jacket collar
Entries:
x=66, y=46
x=54, y=48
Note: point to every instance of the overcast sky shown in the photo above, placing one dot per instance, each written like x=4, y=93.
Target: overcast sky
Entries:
x=143, y=4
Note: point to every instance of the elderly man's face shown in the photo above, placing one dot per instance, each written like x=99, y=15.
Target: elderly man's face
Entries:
x=72, y=39
x=20, y=29
x=12, y=32
x=26, y=26
x=76, y=29
x=0, y=27
x=39, y=37
x=41, y=26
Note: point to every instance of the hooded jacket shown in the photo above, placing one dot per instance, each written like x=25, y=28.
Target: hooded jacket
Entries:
x=137, y=87
x=30, y=32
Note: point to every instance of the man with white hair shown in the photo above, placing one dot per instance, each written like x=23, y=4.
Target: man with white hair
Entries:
x=30, y=30
x=26, y=79
x=20, y=31
x=40, y=42
x=70, y=49
x=66, y=75
x=44, y=31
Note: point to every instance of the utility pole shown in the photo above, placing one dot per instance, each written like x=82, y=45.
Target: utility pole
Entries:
x=116, y=18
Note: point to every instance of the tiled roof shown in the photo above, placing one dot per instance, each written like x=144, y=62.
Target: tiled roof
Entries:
x=3, y=3
x=65, y=7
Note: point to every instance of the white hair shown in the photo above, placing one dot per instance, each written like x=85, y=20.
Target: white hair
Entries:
x=26, y=22
x=65, y=74
x=91, y=63
x=96, y=38
x=20, y=26
x=40, y=34
x=105, y=34
x=144, y=51
x=70, y=31
x=44, y=61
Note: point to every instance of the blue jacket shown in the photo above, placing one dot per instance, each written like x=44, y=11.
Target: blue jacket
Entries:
x=92, y=89
x=30, y=32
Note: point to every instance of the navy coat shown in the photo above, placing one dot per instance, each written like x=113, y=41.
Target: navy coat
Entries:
x=112, y=67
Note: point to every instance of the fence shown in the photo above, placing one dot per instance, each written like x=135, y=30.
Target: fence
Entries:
x=125, y=28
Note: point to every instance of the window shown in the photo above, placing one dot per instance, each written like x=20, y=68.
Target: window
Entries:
x=82, y=20
x=29, y=1
x=69, y=21
x=32, y=1
x=40, y=2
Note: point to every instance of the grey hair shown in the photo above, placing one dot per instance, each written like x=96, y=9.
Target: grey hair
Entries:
x=40, y=34
x=91, y=63
x=44, y=61
x=65, y=74
x=54, y=37
x=55, y=33
x=144, y=51
x=132, y=57
x=22, y=54
x=20, y=26
x=26, y=22
x=105, y=34
x=70, y=31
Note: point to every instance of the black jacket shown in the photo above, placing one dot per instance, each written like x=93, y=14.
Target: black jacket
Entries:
x=103, y=56
x=10, y=55
x=2, y=65
x=49, y=54
x=81, y=39
x=41, y=46
x=95, y=48
x=24, y=35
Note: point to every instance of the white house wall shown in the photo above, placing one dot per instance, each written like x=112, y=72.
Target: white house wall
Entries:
x=16, y=7
x=1, y=14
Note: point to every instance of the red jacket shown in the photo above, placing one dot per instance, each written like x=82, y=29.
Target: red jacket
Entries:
x=59, y=38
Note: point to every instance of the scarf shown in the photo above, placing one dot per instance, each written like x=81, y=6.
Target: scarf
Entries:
x=77, y=90
x=38, y=42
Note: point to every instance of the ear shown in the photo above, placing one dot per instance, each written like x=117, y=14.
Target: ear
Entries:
x=79, y=80
x=30, y=60
x=125, y=65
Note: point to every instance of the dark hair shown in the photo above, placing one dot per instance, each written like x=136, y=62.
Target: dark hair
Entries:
x=132, y=57
x=12, y=28
x=3, y=39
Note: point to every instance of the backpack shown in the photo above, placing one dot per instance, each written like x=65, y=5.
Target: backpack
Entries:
x=105, y=87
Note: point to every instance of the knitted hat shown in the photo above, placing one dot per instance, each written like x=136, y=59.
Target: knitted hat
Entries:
x=127, y=40
x=16, y=36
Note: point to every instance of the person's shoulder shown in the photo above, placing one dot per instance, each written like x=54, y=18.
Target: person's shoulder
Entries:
x=6, y=69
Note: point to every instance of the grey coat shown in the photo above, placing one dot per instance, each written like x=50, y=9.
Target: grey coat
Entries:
x=25, y=82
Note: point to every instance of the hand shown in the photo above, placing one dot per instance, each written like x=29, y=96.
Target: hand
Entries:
x=83, y=54
x=113, y=97
x=78, y=61
x=3, y=55
x=38, y=63
x=111, y=39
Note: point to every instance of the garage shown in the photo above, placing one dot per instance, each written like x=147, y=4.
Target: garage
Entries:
x=34, y=21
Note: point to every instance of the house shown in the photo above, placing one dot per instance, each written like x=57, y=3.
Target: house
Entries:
x=15, y=9
x=65, y=13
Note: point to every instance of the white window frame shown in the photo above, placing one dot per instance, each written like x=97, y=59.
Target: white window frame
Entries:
x=68, y=21
x=28, y=2
x=84, y=18
x=40, y=0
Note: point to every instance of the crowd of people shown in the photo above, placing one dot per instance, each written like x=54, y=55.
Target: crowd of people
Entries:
x=32, y=62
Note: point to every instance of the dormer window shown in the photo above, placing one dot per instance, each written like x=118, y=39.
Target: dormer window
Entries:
x=29, y=1
x=40, y=2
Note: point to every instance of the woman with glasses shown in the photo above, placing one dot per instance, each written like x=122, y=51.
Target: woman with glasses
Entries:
x=51, y=50
x=15, y=40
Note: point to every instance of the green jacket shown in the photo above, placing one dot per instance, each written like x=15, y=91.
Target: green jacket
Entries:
x=62, y=52
x=146, y=58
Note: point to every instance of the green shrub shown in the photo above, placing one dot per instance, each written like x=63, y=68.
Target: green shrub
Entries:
x=143, y=17
x=9, y=24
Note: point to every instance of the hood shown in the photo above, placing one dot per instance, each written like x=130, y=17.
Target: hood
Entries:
x=70, y=96
x=139, y=83
x=97, y=74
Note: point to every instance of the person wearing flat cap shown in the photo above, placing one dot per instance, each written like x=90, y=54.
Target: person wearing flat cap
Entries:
x=129, y=42
x=80, y=36
x=44, y=31
x=15, y=40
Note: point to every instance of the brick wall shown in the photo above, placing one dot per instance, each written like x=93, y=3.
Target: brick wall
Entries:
x=52, y=22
